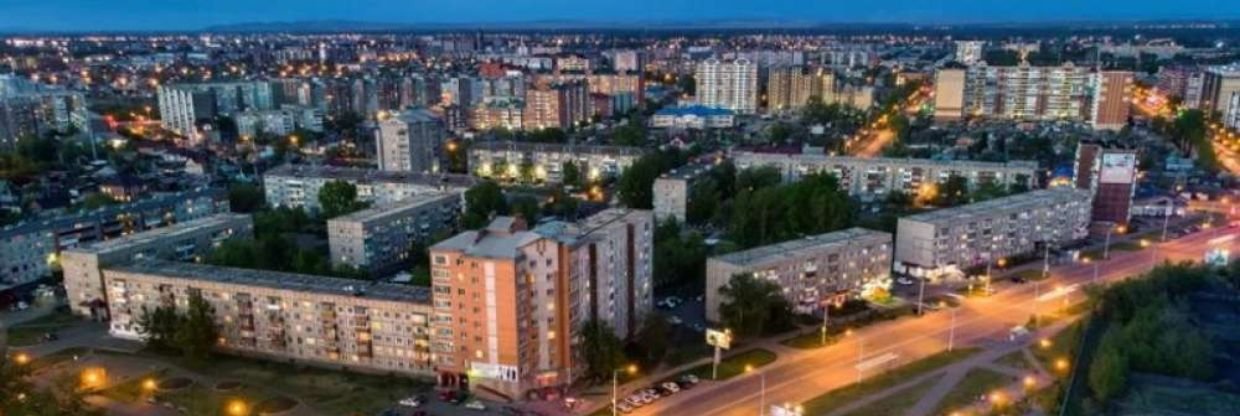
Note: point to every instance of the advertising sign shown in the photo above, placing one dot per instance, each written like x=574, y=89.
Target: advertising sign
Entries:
x=719, y=339
x=1118, y=168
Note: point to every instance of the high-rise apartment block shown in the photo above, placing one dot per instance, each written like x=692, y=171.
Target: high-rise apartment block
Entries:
x=874, y=177
x=29, y=109
x=29, y=250
x=379, y=239
x=970, y=52
x=182, y=105
x=509, y=302
x=545, y=161
x=731, y=85
x=811, y=270
x=1033, y=93
x=188, y=241
x=672, y=190
x=410, y=141
x=949, y=94
x=1220, y=93
x=947, y=241
x=1112, y=101
x=1110, y=175
x=326, y=321
x=562, y=106
x=298, y=186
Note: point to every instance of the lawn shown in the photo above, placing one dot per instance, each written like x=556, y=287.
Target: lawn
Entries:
x=131, y=390
x=57, y=357
x=735, y=365
x=1062, y=346
x=1016, y=359
x=31, y=332
x=976, y=383
x=1096, y=253
x=839, y=397
x=813, y=339
x=898, y=402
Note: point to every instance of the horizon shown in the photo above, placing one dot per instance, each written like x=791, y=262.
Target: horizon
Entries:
x=83, y=16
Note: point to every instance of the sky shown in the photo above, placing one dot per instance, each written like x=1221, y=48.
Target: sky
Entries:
x=120, y=15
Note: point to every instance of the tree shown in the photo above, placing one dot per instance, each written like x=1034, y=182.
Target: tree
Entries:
x=988, y=191
x=197, y=332
x=526, y=172
x=571, y=174
x=954, y=191
x=483, y=201
x=527, y=207
x=245, y=198
x=635, y=187
x=1108, y=374
x=653, y=338
x=678, y=259
x=753, y=179
x=765, y=215
x=97, y=200
x=548, y=135
x=159, y=326
x=631, y=134
x=779, y=133
x=602, y=350
x=338, y=198
x=751, y=305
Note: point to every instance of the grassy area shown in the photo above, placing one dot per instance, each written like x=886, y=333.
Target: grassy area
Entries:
x=1145, y=398
x=1096, y=253
x=57, y=357
x=813, y=339
x=31, y=332
x=1061, y=346
x=976, y=383
x=131, y=390
x=1027, y=274
x=898, y=402
x=1016, y=360
x=735, y=365
x=839, y=397
x=205, y=400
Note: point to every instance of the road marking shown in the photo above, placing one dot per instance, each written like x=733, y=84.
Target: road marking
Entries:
x=877, y=361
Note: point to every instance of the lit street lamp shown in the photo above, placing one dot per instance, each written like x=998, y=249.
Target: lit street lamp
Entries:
x=762, y=396
x=615, y=375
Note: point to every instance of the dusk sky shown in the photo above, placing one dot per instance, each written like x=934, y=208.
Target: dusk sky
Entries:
x=83, y=15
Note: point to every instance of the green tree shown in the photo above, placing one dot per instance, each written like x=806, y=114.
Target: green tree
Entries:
x=753, y=179
x=1108, y=374
x=954, y=191
x=653, y=338
x=338, y=198
x=197, y=332
x=750, y=305
x=96, y=201
x=527, y=207
x=525, y=172
x=571, y=174
x=483, y=201
x=245, y=198
x=635, y=186
x=988, y=191
x=602, y=350
x=548, y=135
x=158, y=326
x=631, y=134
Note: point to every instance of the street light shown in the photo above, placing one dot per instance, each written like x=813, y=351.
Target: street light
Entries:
x=762, y=396
x=21, y=358
x=615, y=375
x=149, y=385
x=238, y=408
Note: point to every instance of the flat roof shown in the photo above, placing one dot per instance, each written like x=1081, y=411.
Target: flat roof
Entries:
x=559, y=148
x=363, y=175
x=687, y=172
x=986, y=208
x=278, y=280
x=108, y=212
x=158, y=234
x=793, y=249
x=381, y=210
x=827, y=159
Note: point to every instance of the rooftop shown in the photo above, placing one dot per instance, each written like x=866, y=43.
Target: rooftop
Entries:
x=279, y=280
x=822, y=158
x=1031, y=199
x=161, y=234
x=693, y=110
x=109, y=212
x=361, y=175
x=499, y=240
x=798, y=248
x=558, y=148
x=382, y=210
x=688, y=172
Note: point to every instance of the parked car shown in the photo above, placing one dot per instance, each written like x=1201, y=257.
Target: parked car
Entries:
x=675, y=320
x=412, y=401
x=475, y=405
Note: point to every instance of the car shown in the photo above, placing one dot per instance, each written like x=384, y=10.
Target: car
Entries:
x=475, y=405
x=623, y=407
x=648, y=398
x=675, y=320
x=690, y=379
x=634, y=401
x=412, y=401
x=670, y=387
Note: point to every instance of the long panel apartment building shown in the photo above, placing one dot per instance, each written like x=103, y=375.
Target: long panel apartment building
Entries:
x=378, y=239
x=867, y=177
x=188, y=241
x=30, y=249
x=811, y=270
x=298, y=186
x=509, y=302
x=949, y=240
x=506, y=159
x=328, y=321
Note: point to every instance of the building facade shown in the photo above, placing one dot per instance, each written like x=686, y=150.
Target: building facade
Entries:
x=1026, y=92
x=949, y=95
x=546, y=161
x=188, y=241
x=298, y=186
x=326, y=321
x=811, y=270
x=672, y=189
x=1112, y=101
x=1110, y=175
x=560, y=105
x=379, y=239
x=410, y=141
x=29, y=109
x=731, y=85
x=873, y=177
x=509, y=302
x=30, y=250
x=947, y=241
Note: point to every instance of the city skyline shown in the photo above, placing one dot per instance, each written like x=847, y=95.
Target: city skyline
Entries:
x=144, y=15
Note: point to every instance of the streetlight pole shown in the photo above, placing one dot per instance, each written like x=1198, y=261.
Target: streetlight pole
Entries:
x=1167, y=218
x=1106, y=247
x=615, y=374
x=951, y=339
x=860, y=356
x=921, y=293
x=826, y=315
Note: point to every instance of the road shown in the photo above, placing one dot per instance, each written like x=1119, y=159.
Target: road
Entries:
x=800, y=376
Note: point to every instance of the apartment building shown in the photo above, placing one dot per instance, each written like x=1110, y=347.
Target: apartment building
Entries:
x=29, y=109
x=188, y=241
x=1220, y=93
x=672, y=189
x=182, y=105
x=378, y=239
x=561, y=105
x=31, y=249
x=498, y=114
x=946, y=241
x=969, y=52
x=1026, y=92
x=508, y=301
x=298, y=186
x=792, y=87
x=1110, y=175
x=949, y=94
x=1112, y=99
x=410, y=141
x=731, y=85
x=811, y=270
x=874, y=177
x=505, y=159
x=367, y=326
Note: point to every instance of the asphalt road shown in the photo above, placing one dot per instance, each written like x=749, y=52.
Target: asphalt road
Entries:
x=979, y=321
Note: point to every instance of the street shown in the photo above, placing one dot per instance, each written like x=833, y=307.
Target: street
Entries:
x=800, y=376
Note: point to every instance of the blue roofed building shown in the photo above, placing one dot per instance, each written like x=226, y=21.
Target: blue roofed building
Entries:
x=696, y=117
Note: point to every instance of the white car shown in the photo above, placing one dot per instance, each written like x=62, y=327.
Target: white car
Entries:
x=411, y=402
x=475, y=405
x=671, y=387
x=624, y=407
x=635, y=401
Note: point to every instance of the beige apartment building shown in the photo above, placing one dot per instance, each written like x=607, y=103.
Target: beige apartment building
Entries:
x=811, y=270
x=508, y=301
x=378, y=239
x=944, y=242
x=873, y=177
x=316, y=320
x=187, y=241
x=505, y=160
x=298, y=186
x=672, y=189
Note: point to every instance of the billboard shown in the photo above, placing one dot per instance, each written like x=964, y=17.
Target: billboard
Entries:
x=1118, y=168
x=719, y=339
